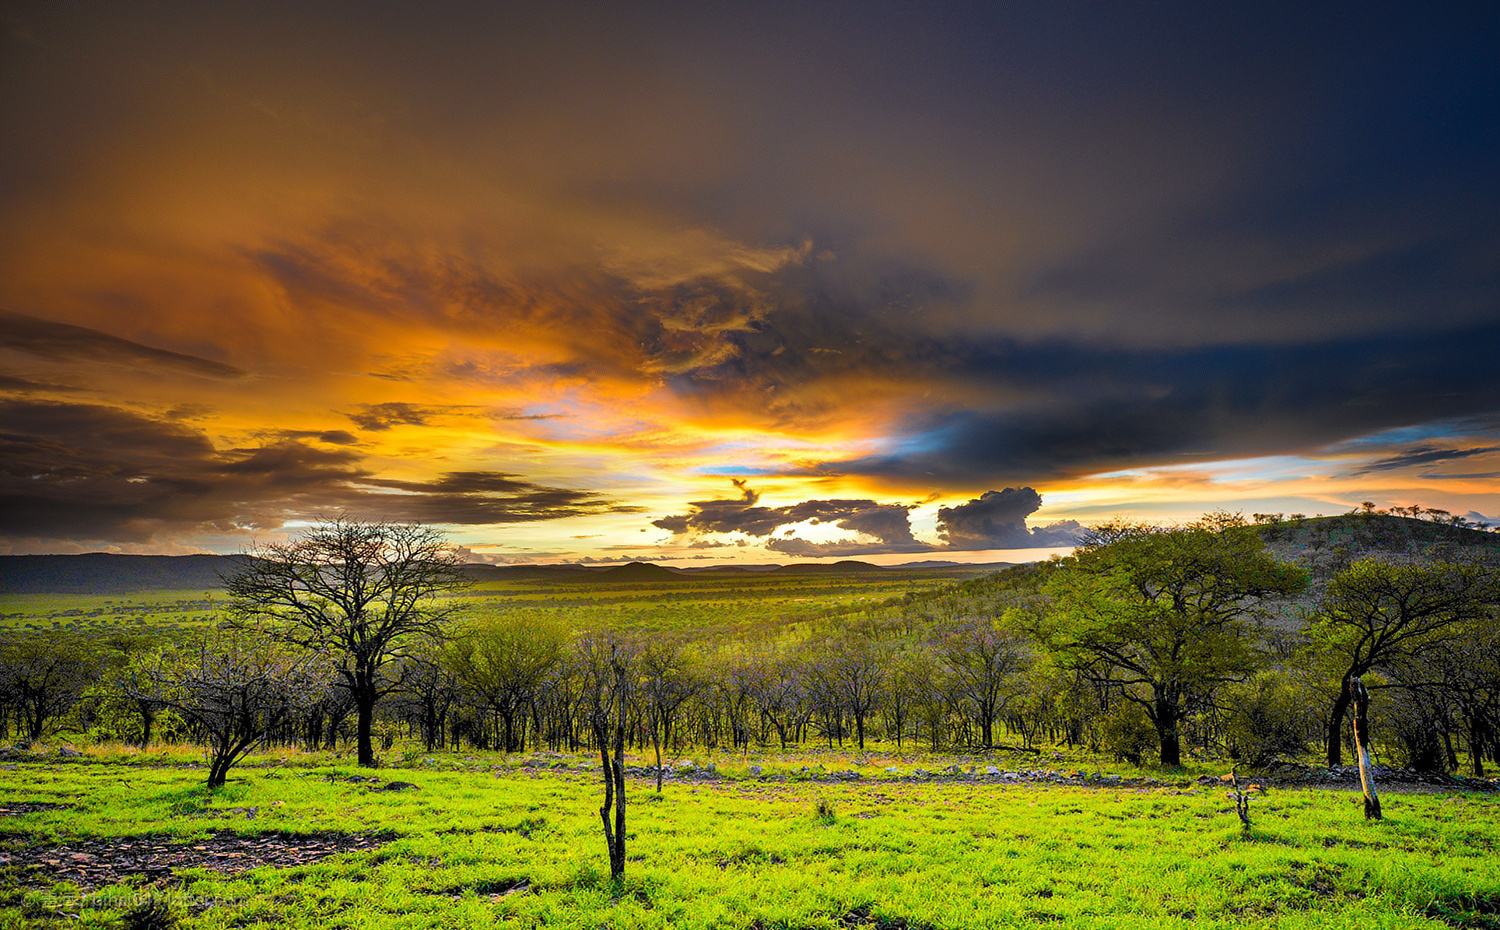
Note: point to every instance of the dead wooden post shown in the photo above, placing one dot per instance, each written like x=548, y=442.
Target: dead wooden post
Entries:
x=1241, y=799
x=610, y=736
x=1360, y=698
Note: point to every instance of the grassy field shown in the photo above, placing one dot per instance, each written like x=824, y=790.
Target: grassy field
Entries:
x=696, y=604
x=142, y=612
x=481, y=842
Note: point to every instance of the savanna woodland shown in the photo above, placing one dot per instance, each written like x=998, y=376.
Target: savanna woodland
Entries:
x=1181, y=674
x=757, y=466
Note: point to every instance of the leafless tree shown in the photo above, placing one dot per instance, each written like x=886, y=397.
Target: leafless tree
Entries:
x=667, y=682
x=854, y=674
x=236, y=687
x=609, y=662
x=982, y=660
x=359, y=592
x=778, y=686
x=42, y=676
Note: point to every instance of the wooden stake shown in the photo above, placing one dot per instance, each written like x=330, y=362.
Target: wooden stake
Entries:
x=1360, y=698
x=1241, y=799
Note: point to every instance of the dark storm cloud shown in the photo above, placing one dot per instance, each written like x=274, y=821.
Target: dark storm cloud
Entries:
x=65, y=342
x=995, y=520
x=1079, y=410
x=1424, y=455
x=93, y=472
x=890, y=524
x=1049, y=239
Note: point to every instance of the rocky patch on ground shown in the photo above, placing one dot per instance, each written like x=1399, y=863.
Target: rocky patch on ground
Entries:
x=1294, y=775
x=18, y=808
x=96, y=863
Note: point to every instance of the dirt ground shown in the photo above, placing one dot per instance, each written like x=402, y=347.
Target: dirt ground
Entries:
x=92, y=864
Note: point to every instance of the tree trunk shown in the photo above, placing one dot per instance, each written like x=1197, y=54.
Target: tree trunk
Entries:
x=1360, y=698
x=656, y=744
x=1476, y=748
x=617, y=854
x=1166, y=731
x=1335, y=734
x=364, y=709
x=610, y=735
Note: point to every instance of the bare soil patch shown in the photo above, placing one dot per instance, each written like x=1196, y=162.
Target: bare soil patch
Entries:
x=93, y=864
x=18, y=808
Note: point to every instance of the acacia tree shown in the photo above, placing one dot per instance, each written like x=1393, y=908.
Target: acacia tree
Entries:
x=1162, y=616
x=505, y=661
x=359, y=592
x=667, y=683
x=42, y=676
x=982, y=659
x=1377, y=613
x=235, y=687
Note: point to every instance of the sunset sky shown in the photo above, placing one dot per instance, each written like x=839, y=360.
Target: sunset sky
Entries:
x=750, y=282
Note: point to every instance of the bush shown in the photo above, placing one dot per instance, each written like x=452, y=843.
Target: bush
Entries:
x=1268, y=720
x=1126, y=733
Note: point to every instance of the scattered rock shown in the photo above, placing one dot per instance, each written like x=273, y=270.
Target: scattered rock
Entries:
x=397, y=786
x=93, y=864
x=20, y=808
x=68, y=752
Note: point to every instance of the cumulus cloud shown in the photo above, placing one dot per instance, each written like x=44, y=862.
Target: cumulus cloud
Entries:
x=995, y=520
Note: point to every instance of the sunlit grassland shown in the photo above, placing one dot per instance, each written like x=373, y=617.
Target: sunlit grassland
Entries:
x=142, y=612
x=694, y=605
x=742, y=853
x=697, y=605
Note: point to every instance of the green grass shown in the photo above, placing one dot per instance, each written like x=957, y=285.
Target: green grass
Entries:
x=142, y=612
x=745, y=853
x=698, y=606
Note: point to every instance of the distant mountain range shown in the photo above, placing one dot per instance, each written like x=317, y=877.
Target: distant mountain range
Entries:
x=1323, y=544
x=106, y=573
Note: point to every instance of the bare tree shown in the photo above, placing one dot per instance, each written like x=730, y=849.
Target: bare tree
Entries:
x=42, y=676
x=854, y=674
x=1359, y=699
x=609, y=664
x=360, y=592
x=236, y=687
x=428, y=689
x=778, y=686
x=667, y=683
x=982, y=659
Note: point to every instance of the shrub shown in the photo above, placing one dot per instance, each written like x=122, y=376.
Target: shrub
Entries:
x=1126, y=733
x=1268, y=720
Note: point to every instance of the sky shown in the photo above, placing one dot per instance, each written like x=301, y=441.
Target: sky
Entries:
x=750, y=282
